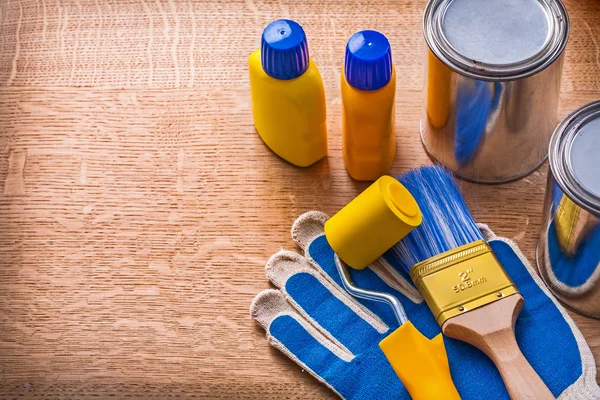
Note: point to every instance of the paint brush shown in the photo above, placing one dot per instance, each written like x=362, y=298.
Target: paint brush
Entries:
x=464, y=285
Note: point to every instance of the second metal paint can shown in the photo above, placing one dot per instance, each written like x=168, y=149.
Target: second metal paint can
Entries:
x=568, y=252
x=492, y=84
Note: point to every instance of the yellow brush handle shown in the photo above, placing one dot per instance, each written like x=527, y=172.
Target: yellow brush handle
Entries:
x=421, y=364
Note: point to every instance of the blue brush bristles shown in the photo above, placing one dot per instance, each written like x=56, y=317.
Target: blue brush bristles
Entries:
x=447, y=223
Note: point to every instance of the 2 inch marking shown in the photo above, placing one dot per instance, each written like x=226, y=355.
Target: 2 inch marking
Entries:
x=467, y=282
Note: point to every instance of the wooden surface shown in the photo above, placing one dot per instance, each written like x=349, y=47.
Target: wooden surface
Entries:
x=138, y=206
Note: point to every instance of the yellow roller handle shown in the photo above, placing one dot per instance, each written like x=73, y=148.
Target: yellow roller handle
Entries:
x=420, y=363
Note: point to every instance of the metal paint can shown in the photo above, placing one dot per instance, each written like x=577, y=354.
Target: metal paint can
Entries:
x=568, y=253
x=492, y=84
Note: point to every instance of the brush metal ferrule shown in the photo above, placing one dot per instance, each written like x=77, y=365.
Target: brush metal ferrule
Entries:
x=461, y=279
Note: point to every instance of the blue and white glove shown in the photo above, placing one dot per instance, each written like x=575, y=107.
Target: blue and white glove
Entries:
x=335, y=337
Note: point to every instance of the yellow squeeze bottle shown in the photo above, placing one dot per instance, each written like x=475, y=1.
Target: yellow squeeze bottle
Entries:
x=368, y=84
x=288, y=97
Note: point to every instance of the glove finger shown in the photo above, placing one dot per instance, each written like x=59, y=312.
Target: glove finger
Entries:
x=298, y=339
x=333, y=311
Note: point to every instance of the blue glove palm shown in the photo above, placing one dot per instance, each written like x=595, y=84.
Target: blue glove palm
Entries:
x=335, y=337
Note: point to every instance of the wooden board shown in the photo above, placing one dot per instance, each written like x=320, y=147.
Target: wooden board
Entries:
x=138, y=206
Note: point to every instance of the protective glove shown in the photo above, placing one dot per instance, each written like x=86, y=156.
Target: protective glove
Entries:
x=335, y=337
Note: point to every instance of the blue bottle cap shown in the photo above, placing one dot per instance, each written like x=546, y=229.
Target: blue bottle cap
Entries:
x=284, y=50
x=368, y=63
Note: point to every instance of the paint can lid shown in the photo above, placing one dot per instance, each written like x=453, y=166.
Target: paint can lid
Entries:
x=284, y=50
x=573, y=156
x=500, y=39
x=368, y=61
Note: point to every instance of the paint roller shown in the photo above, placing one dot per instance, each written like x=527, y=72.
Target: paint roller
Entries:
x=359, y=234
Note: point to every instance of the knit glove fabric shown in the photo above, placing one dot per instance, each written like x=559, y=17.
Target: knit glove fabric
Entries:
x=335, y=337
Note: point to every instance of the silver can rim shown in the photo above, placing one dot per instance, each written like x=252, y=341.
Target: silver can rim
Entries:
x=444, y=51
x=558, y=157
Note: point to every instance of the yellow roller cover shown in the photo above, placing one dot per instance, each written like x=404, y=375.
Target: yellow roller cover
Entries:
x=373, y=222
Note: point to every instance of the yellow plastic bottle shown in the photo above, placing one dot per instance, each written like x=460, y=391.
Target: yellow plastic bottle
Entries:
x=288, y=97
x=368, y=84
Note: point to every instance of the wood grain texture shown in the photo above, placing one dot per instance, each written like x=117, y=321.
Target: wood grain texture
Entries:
x=138, y=205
